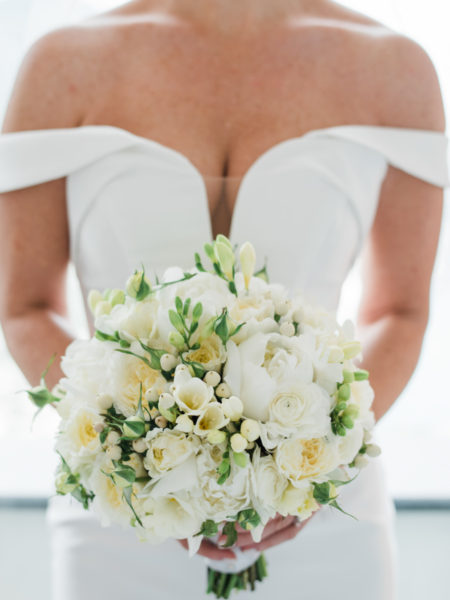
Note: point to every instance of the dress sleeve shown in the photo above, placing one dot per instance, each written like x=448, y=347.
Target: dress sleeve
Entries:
x=32, y=157
x=419, y=152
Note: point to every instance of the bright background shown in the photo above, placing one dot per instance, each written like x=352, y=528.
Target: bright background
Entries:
x=415, y=435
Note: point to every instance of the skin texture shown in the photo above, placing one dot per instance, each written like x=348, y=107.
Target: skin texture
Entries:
x=221, y=83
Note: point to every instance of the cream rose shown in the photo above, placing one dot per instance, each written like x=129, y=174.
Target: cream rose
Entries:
x=167, y=449
x=300, y=459
x=211, y=353
x=298, y=501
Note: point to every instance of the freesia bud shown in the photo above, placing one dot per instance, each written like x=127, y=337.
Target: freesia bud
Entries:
x=247, y=258
x=134, y=283
x=166, y=401
x=112, y=438
x=250, y=429
x=373, y=450
x=134, y=427
x=184, y=423
x=65, y=483
x=223, y=390
x=282, y=308
x=151, y=395
x=212, y=378
x=287, y=329
x=351, y=350
x=361, y=462
x=176, y=339
x=140, y=445
x=94, y=298
x=216, y=436
x=168, y=362
x=161, y=421
x=116, y=297
x=226, y=258
x=233, y=408
x=104, y=401
x=114, y=452
x=102, y=308
x=238, y=442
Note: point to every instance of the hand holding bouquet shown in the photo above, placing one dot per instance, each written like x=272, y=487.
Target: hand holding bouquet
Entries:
x=210, y=399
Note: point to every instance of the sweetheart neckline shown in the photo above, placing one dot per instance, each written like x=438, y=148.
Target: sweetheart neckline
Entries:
x=263, y=155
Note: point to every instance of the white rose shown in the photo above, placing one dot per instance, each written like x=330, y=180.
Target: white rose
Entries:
x=109, y=502
x=169, y=517
x=79, y=436
x=269, y=485
x=133, y=320
x=220, y=501
x=193, y=396
x=167, y=449
x=126, y=374
x=300, y=459
x=212, y=418
x=301, y=407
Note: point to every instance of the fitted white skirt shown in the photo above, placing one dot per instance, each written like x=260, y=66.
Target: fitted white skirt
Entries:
x=333, y=556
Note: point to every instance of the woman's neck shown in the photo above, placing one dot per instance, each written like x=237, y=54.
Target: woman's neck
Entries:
x=231, y=14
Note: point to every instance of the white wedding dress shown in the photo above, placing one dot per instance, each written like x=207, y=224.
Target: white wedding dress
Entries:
x=307, y=204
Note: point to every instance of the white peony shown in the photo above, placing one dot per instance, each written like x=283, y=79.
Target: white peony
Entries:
x=169, y=517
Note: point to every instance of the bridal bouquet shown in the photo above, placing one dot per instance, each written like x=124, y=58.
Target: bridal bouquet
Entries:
x=208, y=399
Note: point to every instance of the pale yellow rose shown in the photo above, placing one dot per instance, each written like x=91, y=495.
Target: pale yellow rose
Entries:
x=211, y=353
x=300, y=459
x=167, y=449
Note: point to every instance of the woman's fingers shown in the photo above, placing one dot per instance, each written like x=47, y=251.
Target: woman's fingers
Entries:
x=279, y=537
x=276, y=524
x=210, y=550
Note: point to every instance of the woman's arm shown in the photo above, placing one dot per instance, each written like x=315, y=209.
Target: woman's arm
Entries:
x=398, y=258
x=33, y=221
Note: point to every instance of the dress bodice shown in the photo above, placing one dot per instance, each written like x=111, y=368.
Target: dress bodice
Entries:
x=307, y=203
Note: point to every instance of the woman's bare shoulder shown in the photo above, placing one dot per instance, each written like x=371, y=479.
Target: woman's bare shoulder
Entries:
x=396, y=70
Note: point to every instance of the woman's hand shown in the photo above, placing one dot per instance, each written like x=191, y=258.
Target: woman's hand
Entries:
x=211, y=550
x=278, y=530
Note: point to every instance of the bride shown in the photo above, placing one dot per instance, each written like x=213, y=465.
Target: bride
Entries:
x=137, y=134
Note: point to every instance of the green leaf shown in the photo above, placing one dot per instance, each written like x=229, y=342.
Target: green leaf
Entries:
x=83, y=496
x=197, y=311
x=240, y=458
x=145, y=360
x=105, y=337
x=232, y=287
x=208, y=528
x=41, y=396
x=221, y=327
x=127, y=494
x=322, y=492
x=186, y=306
x=336, y=505
x=238, y=328
x=248, y=518
x=198, y=263
x=155, y=355
x=176, y=321
x=224, y=469
x=262, y=274
x=198, y=368
x=178, y=304
x=143, y=289
x=361, y=375
x=229, y=529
